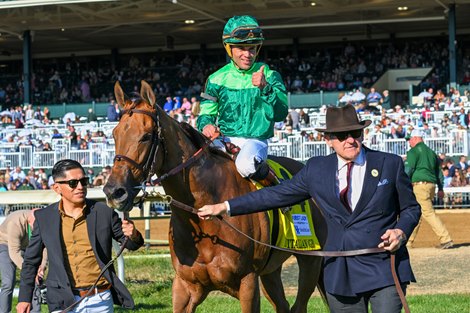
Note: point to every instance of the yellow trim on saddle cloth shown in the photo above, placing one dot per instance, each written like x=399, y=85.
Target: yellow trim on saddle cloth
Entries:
x=296, y=230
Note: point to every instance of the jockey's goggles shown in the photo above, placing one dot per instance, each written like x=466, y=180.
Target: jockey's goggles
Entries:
x=245, y=33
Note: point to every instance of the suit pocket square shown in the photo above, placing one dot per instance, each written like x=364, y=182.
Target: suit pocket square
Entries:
x=383, y=182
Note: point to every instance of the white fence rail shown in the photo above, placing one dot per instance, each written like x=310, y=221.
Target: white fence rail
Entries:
x=455, y=197
x=100, y=154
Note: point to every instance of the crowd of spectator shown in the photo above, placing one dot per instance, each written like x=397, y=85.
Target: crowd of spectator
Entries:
x=38, y=179
x=350, y=67
x=393, y=124
x=342, y=67
x=390, y=122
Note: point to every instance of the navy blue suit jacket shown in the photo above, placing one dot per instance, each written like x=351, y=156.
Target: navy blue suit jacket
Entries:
x=103, y=225
x=386, y=202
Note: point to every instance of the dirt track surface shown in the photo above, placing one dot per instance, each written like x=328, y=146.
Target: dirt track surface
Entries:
x=437, y=271
x=442, y=271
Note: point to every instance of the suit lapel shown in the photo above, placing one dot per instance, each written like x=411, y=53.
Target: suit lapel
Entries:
x=331, y=182
x=91, y=225
x=371, y=180
x=55, y=231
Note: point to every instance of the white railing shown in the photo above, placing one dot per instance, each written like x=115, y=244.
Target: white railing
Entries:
x=315, y=148
x=455, y=198
x=294, y=146
x=280, y=149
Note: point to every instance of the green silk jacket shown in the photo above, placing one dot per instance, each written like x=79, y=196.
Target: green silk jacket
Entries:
x=240, y=109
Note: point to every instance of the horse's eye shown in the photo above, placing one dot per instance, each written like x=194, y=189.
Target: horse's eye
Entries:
x=146, y=137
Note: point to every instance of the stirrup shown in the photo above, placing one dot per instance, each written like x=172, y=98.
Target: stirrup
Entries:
x=270, y=179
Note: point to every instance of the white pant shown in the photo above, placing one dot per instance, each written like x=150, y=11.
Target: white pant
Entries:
x=99, y=303
x=250, y=150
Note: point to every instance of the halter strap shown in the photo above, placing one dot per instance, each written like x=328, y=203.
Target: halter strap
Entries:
x=153, y=149
x=149, y=163
x=153, y=115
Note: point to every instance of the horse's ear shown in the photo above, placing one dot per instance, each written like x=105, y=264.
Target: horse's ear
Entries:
x=119, y=94
x=147, y=93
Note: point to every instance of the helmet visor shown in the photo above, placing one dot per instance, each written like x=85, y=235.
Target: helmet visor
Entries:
x=245, y=33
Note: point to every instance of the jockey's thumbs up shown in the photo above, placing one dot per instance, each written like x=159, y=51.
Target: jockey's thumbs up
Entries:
x=258, y=79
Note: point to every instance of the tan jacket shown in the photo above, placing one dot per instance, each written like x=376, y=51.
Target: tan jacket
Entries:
x=14, y=234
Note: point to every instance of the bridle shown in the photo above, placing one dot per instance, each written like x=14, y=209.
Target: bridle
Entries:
x=155, y=143
x=157, y=140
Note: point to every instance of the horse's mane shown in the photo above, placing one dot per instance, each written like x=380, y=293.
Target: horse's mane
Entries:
x=200, y=140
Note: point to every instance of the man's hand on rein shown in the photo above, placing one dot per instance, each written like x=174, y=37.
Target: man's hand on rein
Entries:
x=208, y=211
x=392, y=239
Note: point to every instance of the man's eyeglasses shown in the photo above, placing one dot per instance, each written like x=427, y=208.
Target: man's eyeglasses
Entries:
x=244, y=33
x=342, y=136
x=73, y=183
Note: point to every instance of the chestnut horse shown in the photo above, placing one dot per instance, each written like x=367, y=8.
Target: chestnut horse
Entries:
x=207, y=255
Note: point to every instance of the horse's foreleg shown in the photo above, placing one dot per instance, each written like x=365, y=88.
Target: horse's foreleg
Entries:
x=309, y=272
x=186, y=296
x=249, y=294
x=274, y=290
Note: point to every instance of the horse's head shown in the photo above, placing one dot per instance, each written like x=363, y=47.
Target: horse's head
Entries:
x=137, y=138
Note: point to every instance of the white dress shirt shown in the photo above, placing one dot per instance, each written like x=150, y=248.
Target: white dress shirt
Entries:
x=358, y=172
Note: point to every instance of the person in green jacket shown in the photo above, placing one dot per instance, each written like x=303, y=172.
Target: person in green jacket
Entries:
x=424, y=172
x=244, y=99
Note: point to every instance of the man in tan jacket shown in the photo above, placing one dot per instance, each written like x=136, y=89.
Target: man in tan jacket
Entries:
x=14, y=238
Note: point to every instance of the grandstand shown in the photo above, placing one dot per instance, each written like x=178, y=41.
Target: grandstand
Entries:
x=152, y=39
x=326, y=51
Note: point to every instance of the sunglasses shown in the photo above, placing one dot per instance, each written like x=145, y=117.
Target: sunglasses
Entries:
x=73, y=183
x=342, y=136
x=246, y=33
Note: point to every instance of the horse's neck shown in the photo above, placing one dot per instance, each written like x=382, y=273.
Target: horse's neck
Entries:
x=211, y=178
x=177, y=149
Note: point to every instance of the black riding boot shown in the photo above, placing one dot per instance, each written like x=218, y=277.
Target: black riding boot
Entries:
x=264, y=175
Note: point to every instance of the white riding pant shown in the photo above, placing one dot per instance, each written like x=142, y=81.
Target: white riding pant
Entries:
x=251, y=149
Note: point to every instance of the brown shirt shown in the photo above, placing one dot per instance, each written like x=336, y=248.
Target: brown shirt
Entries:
x=80, y=261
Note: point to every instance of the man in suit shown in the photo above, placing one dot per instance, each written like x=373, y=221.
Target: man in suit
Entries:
x=367, y=201
x=77, y=233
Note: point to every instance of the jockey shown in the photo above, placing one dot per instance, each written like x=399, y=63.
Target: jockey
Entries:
x=244, y=99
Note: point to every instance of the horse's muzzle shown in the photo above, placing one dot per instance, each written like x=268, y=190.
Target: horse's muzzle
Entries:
x=118, y=197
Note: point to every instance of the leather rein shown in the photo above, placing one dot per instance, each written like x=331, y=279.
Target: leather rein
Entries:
x=346, y=253
x=149, y=165
x=150, y=161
